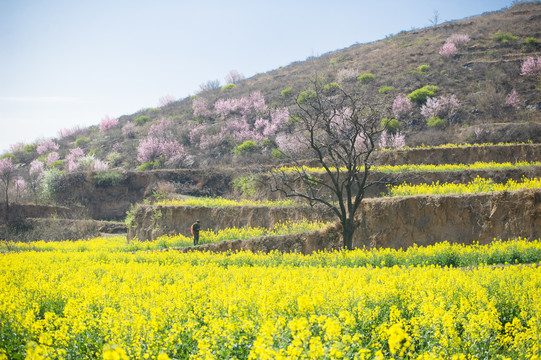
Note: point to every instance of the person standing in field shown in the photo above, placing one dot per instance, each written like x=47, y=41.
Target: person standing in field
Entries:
x=195, y=232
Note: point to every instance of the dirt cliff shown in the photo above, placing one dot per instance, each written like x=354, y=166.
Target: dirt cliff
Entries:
x=402, y=222
x=153, y=221
x=425, y=220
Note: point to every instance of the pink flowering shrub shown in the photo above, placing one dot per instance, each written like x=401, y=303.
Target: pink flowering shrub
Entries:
x=401, y=105
x=512, y=99
x=166, y=100
x=531, y=67
x=292, y=144
x=439, y=106
x=448, y=49
x=72, y=159
x=128, y=130
x=20, y=187
x=18, y=147
x=108, y=123
x=200, y=107
x=246, y=118
x=234, y=77
x=51, y=158
x=47, y=146
x=160, y=144
x=162, y=130
x=36, y=169
x=347, y=75
x=392, y=141
x=458, y=39
x=99, y=165
x=64, y=133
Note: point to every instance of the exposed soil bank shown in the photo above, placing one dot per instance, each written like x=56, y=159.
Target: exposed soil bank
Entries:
x=22, y=211
x=108, y=201
x=58, y=229
x=154, y=221
x=425, y=220
x=307, y=243
x=111, y=201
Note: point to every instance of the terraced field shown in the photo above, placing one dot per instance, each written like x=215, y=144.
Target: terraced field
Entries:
x=453, y=299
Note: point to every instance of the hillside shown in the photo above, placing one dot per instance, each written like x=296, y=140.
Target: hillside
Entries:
x=474, y=85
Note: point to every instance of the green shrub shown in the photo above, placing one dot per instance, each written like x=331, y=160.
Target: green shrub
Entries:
x=51, y=182
x=246, y=147
x=81, y=141
x=130, y=217
x=149, y=165
x=366, y=78
x=114, y=158
x=246, y=185
x=228, y=87
x=57, y=164
x=277, y=154
x=436, y=122
x=330, y=87
x=30, y=148
x=386, y=89
x=420, y=95
x=531, y=44
x=503, y=37
x=286, y=92
x=108, y=178
x=423, y=68
x=338, y=60
x=267, y=142
x=142, y=119
x=306, y=95
x=391, y=125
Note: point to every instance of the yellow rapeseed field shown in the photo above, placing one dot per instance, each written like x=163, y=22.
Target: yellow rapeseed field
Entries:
x=100, y=299
x=478, y=185
x=480, y=165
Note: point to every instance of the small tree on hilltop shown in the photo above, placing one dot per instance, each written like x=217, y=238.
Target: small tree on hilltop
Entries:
x=6, y=170
x=340, y=130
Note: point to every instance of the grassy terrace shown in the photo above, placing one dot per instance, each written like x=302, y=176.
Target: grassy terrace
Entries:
x=478, y=185
x=428, y=167
x=221, y=202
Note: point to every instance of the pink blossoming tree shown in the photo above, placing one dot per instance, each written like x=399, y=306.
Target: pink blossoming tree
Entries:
x=531, y=66
x=47, y=146
x=512, y=99
x=108, y=123
x=402, y=106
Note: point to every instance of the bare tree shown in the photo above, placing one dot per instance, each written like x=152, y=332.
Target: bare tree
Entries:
x=234, y=77
x=435, y=18
x=339, y=129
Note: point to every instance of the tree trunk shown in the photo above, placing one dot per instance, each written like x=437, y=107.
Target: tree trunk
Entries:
x=347, y=233
x=7, y=205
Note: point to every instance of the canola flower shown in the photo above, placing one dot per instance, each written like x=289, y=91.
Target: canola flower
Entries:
x=168, y=305
x=221, y=202
x=166, y=241
x=424, y=167
x=461, y=146
x=478, y=185
x=210, y=236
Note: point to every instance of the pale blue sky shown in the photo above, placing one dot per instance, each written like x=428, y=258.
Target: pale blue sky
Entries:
x=67, y=63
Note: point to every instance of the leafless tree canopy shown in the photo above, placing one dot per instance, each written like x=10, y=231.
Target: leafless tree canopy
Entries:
x=339, y=129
